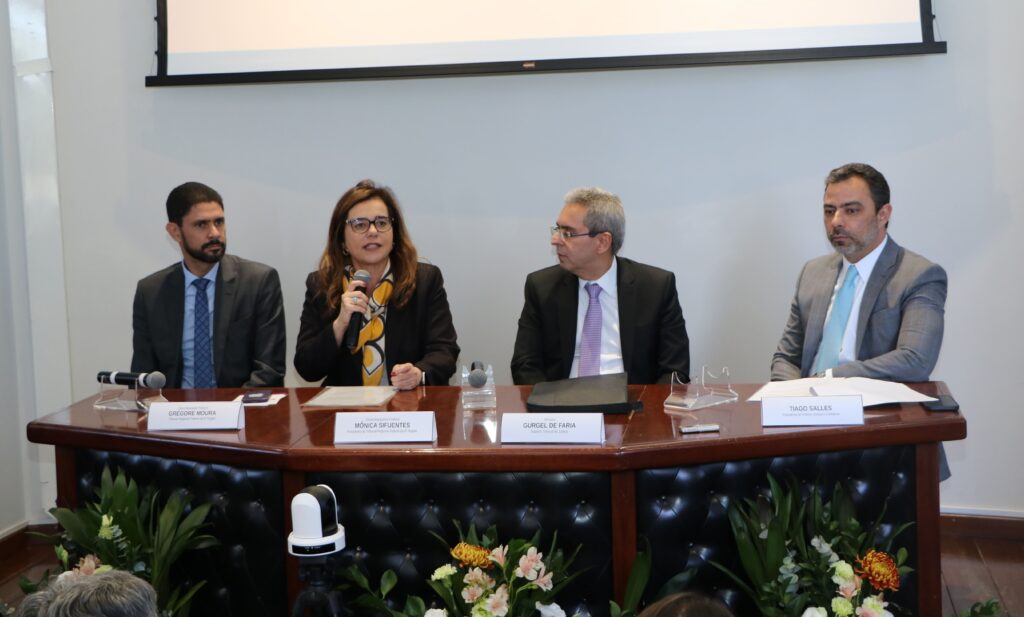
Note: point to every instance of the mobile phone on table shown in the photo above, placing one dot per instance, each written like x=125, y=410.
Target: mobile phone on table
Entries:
x=946, y=402
x=256, y=396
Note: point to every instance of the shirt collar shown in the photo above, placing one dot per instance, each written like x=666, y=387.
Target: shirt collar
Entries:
x=609, y=281
x=210, y=276
x=867, y=263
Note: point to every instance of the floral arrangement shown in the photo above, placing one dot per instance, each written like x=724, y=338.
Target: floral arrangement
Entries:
x=486, y=579
x=126, y=530
x=813, y=559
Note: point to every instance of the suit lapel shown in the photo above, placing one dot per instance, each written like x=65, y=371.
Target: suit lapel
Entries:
x=880, y=275
x=567, y=303
x=627, y=292
x=171, y=301
x=821, y=298
x=223, y=307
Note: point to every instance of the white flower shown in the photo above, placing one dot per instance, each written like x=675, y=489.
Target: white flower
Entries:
x=824, y=548
x=443, y=572
x=549, y=610
x=812, y=611
x=436, y=612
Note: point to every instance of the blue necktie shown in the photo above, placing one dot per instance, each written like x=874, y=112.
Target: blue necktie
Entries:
x=590, y=344
x=832, y=337
x=202, y=350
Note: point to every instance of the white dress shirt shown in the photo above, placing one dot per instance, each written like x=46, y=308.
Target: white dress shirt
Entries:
x=848, y=351
x=611, y=343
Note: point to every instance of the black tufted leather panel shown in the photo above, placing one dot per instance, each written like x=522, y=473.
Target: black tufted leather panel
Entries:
x=245, y=575
x=387, y=517
x=682, y=510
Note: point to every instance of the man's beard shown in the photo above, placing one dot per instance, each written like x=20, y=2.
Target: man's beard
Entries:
x=202, y=255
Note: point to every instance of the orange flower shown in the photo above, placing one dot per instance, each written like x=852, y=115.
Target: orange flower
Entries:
x=880, y=570
x=472, y=555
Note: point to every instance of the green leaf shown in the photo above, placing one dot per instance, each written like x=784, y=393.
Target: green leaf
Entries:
x=414, y=606
x=639, y=574
x=387, y=582
x=356, y=576
x=745, y=546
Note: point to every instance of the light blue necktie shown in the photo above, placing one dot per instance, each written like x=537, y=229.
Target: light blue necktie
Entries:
x=832, y=337
x=202, y=350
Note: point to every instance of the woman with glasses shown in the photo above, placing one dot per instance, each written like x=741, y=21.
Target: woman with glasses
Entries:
x=400, y=314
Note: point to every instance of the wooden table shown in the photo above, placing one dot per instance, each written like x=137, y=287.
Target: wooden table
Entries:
x=297, y=442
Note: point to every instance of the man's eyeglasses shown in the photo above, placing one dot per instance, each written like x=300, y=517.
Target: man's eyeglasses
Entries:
x=361, y=225
x=566, y=234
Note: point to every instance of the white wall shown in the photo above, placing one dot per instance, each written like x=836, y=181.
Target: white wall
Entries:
x=12, y=511
x=720, y=170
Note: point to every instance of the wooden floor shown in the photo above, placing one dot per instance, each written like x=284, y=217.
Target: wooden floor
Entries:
x=974, y=568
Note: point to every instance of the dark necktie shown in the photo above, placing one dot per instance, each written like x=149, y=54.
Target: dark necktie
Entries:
x=202, y=350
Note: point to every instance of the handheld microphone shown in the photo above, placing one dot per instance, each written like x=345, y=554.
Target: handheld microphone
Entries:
x=355, y=324
x=477, y=374
x=155, y=380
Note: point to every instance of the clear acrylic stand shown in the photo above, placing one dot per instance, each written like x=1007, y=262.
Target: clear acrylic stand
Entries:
x=127, y=399
x=700, y=393
x=483, y=397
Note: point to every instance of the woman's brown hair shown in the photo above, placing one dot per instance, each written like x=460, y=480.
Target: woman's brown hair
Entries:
x=336, y=259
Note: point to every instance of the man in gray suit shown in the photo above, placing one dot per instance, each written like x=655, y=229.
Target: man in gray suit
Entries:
x=872, y=309
x=210, y=320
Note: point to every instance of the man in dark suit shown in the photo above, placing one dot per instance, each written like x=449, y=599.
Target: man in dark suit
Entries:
x=211, y=320
x=890, y=324
x=596, y=313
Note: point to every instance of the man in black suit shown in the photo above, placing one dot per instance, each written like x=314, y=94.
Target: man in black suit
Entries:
x=211, y=320
x=596, y=313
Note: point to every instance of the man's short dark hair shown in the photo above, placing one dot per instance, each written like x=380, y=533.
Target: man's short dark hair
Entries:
x=183, y=197
x=877, y=185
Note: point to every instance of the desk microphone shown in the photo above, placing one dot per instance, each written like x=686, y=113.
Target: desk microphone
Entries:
x=355, y=323
x=477, y=374
x=155, y=380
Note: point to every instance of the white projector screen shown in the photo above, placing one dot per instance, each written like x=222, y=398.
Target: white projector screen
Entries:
x=217, y=41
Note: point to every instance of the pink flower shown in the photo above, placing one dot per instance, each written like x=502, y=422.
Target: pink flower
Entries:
x=529, y=564
x=848, y=590
x=543, y=579
x=87, y=565
x=472, y=593
x=498, y=555
x=497, y=602
x=476, y=577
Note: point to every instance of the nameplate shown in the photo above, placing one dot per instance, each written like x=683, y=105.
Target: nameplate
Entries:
x=389, y=427
x=812, y=410
x=196, y=416
x=552, y=428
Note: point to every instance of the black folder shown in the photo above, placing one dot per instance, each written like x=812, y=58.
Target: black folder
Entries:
x=597, y=393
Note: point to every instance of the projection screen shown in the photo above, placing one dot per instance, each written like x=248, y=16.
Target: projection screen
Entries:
x=225, y=41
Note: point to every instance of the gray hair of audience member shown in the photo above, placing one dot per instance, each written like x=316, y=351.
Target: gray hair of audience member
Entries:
x=686, y=604
x=604, y=212
x=114, y=593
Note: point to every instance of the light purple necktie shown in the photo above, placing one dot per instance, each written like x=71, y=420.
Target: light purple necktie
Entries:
x=590, y=346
